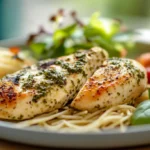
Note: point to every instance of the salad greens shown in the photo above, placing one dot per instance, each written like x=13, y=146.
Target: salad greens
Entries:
x=141, y=114
x=76, y=35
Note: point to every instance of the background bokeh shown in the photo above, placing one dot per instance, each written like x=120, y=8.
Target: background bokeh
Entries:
x=18, y=18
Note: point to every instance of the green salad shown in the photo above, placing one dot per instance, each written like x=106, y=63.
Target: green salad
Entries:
x=66, y=39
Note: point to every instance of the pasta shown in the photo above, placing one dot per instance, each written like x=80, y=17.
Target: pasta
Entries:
x=72, y=120
x=10, y=64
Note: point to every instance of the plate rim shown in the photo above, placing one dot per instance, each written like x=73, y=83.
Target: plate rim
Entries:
x=128, y=130
x=55, y=136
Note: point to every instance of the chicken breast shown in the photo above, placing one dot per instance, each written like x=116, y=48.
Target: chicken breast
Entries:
x=48, y=85
x=118, y=81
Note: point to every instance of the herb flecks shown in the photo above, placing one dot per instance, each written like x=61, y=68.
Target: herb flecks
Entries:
x=130, y=67
x=51, y=77
x=54, y=77
x=29, y=82
x=77, y=67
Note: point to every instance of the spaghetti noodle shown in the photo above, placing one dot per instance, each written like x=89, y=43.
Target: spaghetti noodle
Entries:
x=69, y=119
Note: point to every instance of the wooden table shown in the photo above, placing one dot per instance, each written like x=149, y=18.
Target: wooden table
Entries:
x=5, y=145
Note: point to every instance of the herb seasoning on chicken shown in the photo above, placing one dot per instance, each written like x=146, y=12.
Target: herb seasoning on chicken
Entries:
x=47, y=86
x=118, y=81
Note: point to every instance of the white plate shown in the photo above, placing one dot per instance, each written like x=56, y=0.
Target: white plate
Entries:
x=133, y=136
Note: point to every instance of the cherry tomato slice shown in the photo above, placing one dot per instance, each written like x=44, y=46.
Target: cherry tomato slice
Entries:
x=148, y=74
x=144, y=59
x=14, y=50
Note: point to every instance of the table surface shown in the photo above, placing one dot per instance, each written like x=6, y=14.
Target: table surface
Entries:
x=5, y=145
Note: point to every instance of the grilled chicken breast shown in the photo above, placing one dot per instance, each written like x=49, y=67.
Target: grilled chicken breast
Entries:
x=118, y=81
x=48, y=85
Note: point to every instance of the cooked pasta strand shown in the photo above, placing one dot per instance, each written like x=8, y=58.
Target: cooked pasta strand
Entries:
x=71, y=120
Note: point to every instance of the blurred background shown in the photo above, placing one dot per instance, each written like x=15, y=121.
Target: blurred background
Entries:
x=18, y=18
